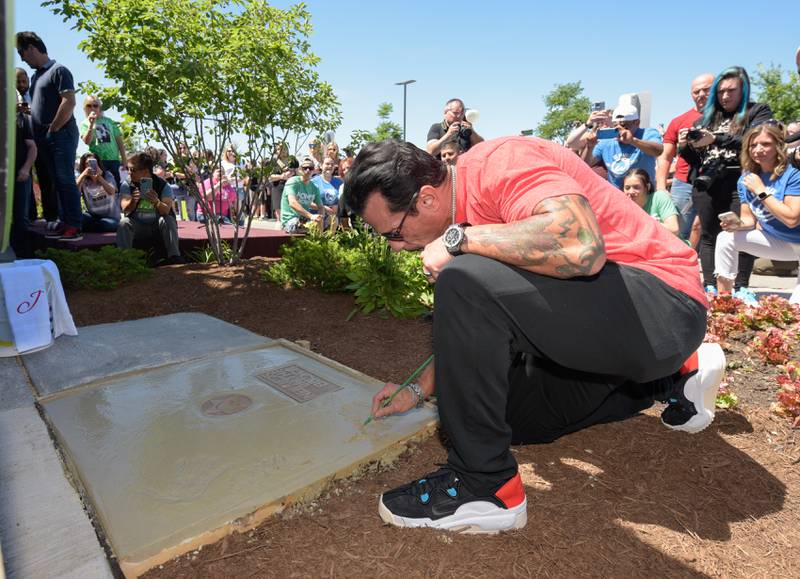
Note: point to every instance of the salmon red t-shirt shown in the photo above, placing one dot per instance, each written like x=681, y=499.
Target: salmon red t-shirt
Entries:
x=684, y=121
x=503, y=180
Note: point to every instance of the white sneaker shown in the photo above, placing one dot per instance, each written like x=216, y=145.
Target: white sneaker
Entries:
x=691, y=406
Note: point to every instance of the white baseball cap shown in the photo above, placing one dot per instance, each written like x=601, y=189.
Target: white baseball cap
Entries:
x=625, y=112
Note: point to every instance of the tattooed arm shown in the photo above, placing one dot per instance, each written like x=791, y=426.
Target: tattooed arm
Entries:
x=561, y=239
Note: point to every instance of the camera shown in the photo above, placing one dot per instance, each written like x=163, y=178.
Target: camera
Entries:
x=694, y=134
x=708, y=173
x=464, y=133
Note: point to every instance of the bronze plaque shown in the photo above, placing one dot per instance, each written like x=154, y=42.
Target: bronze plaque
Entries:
x=297, y=383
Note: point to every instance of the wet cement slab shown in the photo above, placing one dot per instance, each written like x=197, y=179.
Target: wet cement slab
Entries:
x=104, y=350
x=178, y=456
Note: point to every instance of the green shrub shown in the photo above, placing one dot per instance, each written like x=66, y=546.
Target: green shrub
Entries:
x=359, y=262
x=316, y=260
x=386, y=280
x=104, y=269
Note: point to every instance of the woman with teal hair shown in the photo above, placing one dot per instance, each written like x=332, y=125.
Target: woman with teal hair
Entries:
x=712, y=148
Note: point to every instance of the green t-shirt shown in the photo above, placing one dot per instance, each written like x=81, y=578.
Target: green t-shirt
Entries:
x=306, y=194
x=104, y=139
x=660, y=206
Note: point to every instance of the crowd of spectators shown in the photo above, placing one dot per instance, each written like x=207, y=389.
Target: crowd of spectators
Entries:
x=724, y=156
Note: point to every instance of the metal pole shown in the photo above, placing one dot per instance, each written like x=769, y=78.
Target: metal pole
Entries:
x=405, y=90
x=405, y=84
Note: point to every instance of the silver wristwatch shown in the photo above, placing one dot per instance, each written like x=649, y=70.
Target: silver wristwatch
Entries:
x=453, y=238
x=415, y=388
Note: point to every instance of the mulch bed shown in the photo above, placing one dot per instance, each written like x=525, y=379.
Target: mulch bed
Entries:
x=624, y=499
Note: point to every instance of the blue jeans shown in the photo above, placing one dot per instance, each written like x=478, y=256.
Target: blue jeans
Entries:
x=97, y=224
x=681, y=193
x=58, y=151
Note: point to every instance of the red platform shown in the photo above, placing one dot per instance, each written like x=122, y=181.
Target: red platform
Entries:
x=261, y=242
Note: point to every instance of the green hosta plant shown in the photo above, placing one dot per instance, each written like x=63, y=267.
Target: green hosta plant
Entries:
x=360, y=262
x=385, y=280
x=316, y=260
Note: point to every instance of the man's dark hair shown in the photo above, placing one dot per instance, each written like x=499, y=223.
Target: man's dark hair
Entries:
x=397, y=169
x=451, y=101
x=141, y=161
x=27, y=38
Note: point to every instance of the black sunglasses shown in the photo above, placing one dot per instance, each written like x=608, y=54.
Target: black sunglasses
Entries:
x=773, y=123
x=307, y=168
x=395, y=234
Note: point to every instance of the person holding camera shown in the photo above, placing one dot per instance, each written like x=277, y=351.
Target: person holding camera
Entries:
x=147, y=209
x=99, y=190
x=769, y=190
x=681, y=189
x=454, y=126
x=627, y=146
x=712, y=148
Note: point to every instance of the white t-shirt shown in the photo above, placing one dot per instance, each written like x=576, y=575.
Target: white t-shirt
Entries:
x=98, y=202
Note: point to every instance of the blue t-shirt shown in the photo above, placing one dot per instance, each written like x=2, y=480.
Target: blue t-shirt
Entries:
x=328, y=191
x=786, y=185
x=47, y=86
x=619, y=158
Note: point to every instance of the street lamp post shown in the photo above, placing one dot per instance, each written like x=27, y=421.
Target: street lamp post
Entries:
x=405, y=84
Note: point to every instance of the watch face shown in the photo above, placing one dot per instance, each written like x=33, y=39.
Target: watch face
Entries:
x=452, y=237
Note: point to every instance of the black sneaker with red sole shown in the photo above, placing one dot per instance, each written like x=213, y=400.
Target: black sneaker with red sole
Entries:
x=441, y=500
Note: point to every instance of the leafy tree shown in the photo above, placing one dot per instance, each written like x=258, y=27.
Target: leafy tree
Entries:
x=565, y=105
x=782, y=97
x=201, y=71
x=132, y=133
x=386, y=129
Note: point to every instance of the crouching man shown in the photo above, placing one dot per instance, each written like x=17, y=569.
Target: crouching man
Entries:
x=559, y=305
x=147, y=210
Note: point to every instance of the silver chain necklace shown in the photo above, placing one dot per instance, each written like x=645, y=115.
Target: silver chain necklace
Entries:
x=453, y=186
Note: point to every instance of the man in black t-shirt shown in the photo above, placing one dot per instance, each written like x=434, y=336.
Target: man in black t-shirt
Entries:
x=454, y=126
x=25, y=157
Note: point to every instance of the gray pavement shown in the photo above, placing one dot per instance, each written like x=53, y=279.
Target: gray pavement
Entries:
x=44, y=530
x=770, y=284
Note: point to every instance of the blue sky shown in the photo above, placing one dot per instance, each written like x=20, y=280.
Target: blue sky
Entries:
x=503, y=57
